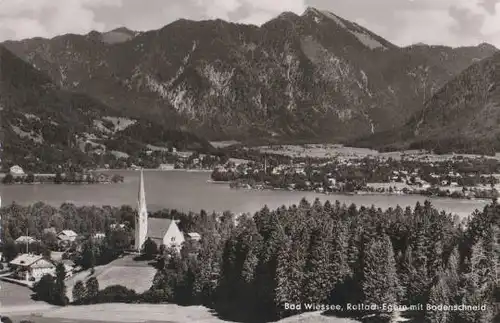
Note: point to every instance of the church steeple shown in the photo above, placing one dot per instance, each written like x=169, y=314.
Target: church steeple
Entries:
x=141, y=220
x=142, y=194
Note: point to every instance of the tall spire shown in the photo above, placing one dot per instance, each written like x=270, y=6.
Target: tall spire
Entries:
x=0, y=223
x=141, y=220
x=142, y=194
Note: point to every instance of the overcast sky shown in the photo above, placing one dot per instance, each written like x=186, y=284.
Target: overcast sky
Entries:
x=450, y=22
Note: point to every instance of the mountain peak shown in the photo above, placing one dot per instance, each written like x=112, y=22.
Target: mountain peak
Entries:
x=311, y=10
x=123, y=30
x=288, y=15
x=118, y=35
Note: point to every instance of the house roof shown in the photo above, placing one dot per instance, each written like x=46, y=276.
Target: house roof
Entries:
x=29, y=260
x=25, y=239
x=194, y=235
x=157, y=227
x=69, y=233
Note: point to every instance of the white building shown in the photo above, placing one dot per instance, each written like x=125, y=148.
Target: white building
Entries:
x=165, y=232
x=161, y=231
x=31, y=267
x=25, y=240
x=16, y=170
x=67, y=235
x=99, y=235
x=194, y=236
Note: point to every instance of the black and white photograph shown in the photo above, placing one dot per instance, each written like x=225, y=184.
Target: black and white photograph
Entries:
x=249, y=161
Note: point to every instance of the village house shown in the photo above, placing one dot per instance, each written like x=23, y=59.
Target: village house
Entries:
x=194, y=236
x=16, y=171
x=117, y=226
x=50, y=230
x=31, y=267
x=99, y=236
x=25, y=240
x=67, y=235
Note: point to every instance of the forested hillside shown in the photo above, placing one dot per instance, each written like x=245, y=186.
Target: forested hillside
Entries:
x=47, y=129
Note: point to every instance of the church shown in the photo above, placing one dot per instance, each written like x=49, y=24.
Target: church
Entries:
x=161, y=231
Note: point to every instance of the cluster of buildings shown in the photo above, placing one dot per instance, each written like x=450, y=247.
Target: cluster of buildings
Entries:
x=30, y=268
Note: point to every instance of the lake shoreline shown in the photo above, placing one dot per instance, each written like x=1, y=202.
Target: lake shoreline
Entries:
x=193, y=191
x=154, y=170
x=359, y=193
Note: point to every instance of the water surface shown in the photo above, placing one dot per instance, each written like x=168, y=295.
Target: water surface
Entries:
x=190, y=191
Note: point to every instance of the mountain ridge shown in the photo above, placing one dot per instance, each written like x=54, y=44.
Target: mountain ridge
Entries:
x=314, y=76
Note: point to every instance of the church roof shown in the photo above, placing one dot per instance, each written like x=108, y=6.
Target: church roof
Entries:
x=158, y=227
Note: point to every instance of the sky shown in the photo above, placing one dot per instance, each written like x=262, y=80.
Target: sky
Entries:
x=403, y=22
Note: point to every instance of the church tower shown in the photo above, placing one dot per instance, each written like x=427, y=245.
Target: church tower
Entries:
x=0, y=223
x=141, y=219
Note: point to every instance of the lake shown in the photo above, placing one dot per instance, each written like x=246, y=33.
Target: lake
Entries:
x=190, y=191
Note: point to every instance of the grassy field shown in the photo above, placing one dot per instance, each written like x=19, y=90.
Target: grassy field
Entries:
x=13, y=295
x=331, y=150
x=136, y=275
x=317, y=150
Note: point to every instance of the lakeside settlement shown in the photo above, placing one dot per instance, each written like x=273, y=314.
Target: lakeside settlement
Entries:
x=468, y=177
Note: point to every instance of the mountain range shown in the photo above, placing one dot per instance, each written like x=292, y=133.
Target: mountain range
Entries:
x=310, y=77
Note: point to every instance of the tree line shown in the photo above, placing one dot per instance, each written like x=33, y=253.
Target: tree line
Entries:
x=249, y=268
x=334, y=254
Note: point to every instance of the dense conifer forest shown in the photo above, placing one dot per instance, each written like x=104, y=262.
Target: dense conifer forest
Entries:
x=333, y=254
x=323, y=254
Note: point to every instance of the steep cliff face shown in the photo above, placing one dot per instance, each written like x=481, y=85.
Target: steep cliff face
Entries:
x=315, y=76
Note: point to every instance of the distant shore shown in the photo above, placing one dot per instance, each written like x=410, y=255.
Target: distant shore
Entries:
x=359, y=193
x=155, y=170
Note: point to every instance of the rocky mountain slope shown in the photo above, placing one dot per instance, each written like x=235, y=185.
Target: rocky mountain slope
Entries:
x=463, y=116
x=44, y=126
x=315, y=76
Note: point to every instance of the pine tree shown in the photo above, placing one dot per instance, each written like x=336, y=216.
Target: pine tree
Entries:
x=476, y=286
x=79, y=292
x=439, y=295
x=207, y=273
x=59, y=286
x=44, y=288
x=380, y=282
x=482, y=269
x=418, y=279
x=451, y=275
x=265, y=273
x=92, y=287
x=327, y=263
x=88, y=259
x=283, y=287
